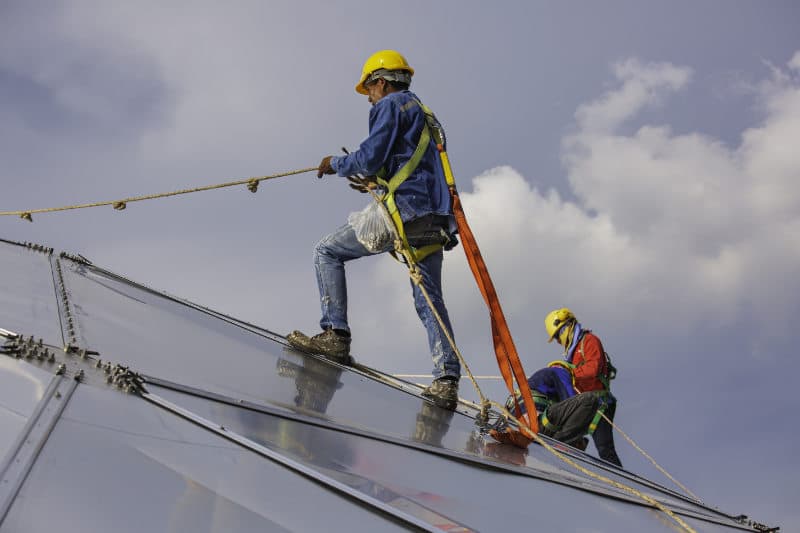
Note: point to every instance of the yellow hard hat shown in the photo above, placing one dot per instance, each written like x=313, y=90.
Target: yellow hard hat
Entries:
x=385, y=59
x=555, y=320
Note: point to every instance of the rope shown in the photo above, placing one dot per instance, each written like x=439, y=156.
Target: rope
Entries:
x=646, y=455
x=649, y=499
x=119, y=205
x=653, y=461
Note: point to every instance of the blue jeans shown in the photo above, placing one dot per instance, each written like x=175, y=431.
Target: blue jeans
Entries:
x=330, y=255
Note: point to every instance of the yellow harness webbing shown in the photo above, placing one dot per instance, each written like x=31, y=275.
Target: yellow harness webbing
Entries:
x=418, y=254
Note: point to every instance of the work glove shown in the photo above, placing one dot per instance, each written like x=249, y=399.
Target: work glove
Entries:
x=362, y=185
x=325, y=166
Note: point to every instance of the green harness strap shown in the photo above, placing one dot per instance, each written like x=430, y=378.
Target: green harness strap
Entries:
x=546, y=422
x=596, y=420
x=418, y=254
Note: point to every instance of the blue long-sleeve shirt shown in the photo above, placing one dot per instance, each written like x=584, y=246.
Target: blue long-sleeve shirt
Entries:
x=554, y=382
x=395, y=125
x=549, y=385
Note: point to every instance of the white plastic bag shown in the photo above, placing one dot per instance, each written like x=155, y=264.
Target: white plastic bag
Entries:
x=372, y=227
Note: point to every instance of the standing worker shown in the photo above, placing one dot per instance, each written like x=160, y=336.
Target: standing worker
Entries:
x=592, y=369
x=399, y=152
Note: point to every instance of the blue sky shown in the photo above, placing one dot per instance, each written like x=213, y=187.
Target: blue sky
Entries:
x=634, y=161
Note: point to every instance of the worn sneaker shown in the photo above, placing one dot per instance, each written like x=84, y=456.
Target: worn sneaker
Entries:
x=443, y=392
x=328, y=343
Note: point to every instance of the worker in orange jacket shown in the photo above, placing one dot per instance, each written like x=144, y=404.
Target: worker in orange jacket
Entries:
x=592, y=369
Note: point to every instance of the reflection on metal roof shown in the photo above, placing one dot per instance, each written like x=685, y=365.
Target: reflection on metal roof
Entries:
x=126, y=409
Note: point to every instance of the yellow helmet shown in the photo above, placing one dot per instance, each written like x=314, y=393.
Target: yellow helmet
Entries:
x=385, y=59
x=555, y=320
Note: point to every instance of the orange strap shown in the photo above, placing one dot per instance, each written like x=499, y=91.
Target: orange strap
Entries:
x=507, y=358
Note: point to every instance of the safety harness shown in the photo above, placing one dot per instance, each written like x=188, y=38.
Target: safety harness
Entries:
x=391, y=186
x=606, y=398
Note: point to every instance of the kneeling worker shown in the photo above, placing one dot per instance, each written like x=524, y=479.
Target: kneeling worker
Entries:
x=593, y=372
x=564, y=415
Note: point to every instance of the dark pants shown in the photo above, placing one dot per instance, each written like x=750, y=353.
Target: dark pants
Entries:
x=604, y=437
x=569, y=420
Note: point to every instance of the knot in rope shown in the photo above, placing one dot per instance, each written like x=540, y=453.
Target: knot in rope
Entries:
x=26, y=216
x=252, y=185
x=415, y=274
x=119, y=206
x=482, y=418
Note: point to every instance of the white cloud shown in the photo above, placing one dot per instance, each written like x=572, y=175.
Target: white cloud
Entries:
x=794, y=63
x=642, y=85
x=711, y=221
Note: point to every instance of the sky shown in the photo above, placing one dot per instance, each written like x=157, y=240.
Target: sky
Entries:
x=633, y=161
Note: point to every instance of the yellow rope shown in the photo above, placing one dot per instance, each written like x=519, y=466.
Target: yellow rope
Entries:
x=252, y=185
x=653, y=461
x=645, y=454
x=649, y=499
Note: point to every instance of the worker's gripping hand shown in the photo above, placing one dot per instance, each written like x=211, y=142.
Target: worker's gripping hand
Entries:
x=325, y=166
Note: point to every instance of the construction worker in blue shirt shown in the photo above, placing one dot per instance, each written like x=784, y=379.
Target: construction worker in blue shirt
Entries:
x=396, y=124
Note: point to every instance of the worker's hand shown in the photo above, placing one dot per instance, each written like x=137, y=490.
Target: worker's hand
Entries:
x=362, y=185
x=325, y=166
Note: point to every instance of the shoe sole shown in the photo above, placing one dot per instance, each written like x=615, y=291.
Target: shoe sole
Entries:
x=346, y=360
